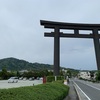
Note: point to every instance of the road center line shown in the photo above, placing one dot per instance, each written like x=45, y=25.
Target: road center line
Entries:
x=82, y=91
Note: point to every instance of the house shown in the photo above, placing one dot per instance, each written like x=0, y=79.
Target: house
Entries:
x=84, y=75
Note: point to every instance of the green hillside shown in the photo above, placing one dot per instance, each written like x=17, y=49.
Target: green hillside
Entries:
x=16, y=64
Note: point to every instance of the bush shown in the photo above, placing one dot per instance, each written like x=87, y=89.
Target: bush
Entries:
x=60, y=77
x=52, y=78
x=48, y=91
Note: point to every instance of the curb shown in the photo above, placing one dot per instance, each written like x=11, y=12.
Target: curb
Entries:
x=72, y=92
x=77, y=92
x=80, y=93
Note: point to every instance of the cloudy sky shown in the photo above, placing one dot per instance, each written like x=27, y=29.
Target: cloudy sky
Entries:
x=22, y=36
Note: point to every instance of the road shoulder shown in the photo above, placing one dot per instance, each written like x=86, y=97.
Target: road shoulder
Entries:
x=72, y=92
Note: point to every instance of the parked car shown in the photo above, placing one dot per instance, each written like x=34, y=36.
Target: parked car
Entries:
x=21, y=78
x=13, y=80
x=25, y=78
x=31, y=78
x=38, y=78
x=41, y=78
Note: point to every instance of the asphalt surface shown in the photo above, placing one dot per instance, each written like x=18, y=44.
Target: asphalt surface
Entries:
x=90, y=90
x=21, y=83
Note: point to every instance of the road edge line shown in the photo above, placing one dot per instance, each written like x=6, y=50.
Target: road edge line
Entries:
x=77, y=92
x=82, y=91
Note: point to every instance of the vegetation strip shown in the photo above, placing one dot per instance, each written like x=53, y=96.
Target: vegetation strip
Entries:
x=48, y=91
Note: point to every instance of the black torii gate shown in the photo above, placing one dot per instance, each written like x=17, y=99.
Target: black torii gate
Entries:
x=76, y=27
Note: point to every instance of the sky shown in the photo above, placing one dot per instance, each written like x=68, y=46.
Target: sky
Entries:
x=22, y=36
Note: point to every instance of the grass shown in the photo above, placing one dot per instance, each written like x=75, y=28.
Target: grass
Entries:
x=48, y=91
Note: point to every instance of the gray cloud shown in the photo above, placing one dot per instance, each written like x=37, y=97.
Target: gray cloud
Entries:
x=23, y=37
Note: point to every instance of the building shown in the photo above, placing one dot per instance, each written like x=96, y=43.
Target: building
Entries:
x=84, y=75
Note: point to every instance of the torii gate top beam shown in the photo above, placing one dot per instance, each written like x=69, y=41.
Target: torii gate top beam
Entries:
x=73, y=26
x=61, y=25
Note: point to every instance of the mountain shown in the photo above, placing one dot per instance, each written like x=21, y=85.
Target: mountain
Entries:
x=16, y=64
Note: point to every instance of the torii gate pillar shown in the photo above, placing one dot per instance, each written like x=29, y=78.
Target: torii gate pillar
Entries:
x=56, y=52
x=97, y=47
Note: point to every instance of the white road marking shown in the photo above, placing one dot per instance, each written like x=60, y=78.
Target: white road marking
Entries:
x=91, y=86
x=82, y=91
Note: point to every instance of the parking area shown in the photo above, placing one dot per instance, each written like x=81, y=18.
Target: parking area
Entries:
x=21, y=83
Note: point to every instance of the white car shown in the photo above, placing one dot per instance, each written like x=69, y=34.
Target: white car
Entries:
x=31, y=78
x=41, y=78
x=13, y=80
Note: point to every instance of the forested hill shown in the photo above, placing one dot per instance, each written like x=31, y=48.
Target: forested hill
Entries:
x=16, y=64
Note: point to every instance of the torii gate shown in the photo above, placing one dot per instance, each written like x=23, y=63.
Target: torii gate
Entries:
x=76, y=27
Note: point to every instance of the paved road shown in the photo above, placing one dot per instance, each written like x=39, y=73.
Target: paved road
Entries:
x=4, y=83
x=90, y=90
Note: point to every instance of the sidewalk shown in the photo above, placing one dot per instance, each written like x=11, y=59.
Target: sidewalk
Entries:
x=72, y=92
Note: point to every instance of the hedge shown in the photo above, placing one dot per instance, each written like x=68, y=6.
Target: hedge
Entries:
x=52, y=78
x=48, y=91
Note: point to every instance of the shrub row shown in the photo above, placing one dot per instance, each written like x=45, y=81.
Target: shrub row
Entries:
x=52, y=78
x=48, y=91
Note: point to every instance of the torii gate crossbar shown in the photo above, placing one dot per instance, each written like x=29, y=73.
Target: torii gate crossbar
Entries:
x=76, y=27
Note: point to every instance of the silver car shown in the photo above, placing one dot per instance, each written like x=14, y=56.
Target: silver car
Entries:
x=13, y=80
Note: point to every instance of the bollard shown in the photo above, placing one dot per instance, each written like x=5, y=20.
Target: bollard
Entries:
x=44, y=79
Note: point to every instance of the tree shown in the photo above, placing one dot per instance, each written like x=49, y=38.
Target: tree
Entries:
x=91, y=75
x=4, y=74
x=62, y=73
x=18, y=74
x=11, y=74
x=98, y=76
x=50, y=73
x=69, y=73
